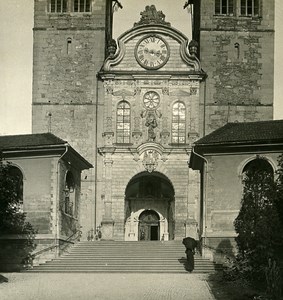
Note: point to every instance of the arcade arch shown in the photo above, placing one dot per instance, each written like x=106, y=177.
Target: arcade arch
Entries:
x=149, y=208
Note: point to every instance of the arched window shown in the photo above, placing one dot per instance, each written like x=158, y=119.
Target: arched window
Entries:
x=258, y=165
x=18, y=179
x=258, y=180
x=123, y=122
x=179, y=123
x=70, y=195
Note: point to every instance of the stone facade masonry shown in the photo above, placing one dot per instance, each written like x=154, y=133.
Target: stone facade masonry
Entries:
x=237, y=55
x=76, y=92
x=68, y=53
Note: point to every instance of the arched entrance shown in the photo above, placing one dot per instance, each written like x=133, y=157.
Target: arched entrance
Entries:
x=149, y=228
x=149, y=208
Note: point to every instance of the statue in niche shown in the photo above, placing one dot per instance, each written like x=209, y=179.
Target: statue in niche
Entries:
x=151, y=123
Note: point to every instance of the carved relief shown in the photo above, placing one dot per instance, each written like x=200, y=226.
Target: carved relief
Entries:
x=124, y=93
x=165, y=91
x=136, y=137
x=194, y=91
x=150, y=160
x=108, y=138
x=180, y=93
x=151, y=16
x=137, y=91
x=108, y=123
x=109, y=89
x=136, y=123
x=164, y=135
x=193, y=136
x=165, y=123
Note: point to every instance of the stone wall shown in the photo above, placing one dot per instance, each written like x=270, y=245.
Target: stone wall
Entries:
x=224, y=191
x=237, y=53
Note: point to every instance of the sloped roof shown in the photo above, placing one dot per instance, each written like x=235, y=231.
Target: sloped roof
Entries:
x=42, y=142
x=25, y=141
x=249, y=132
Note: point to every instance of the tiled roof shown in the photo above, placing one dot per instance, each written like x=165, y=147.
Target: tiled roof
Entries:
x=24, y=141
x=250, y=132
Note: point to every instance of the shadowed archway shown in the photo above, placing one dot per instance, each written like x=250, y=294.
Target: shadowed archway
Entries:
x=149, y=207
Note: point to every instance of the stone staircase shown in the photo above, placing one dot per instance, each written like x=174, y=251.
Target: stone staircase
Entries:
x=128, y=257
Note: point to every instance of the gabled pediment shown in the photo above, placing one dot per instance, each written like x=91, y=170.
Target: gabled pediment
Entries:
x=152, y=46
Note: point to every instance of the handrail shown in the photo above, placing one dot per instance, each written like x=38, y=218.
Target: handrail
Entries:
x=76, y=232
x=31, y=257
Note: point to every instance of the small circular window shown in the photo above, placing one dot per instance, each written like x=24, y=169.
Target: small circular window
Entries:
x=151, y=100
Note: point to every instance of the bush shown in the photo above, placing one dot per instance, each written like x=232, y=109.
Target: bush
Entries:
x=258, y=223
x=17, y=235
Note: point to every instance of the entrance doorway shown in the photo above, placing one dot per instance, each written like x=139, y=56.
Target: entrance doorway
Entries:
x=149, y=226
x=149, y=208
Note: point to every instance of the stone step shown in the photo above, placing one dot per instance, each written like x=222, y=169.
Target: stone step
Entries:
x=130, y=257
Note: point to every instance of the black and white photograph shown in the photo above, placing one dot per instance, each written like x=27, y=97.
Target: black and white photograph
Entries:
x=141, y=150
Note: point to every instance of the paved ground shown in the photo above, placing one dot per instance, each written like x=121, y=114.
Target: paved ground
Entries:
x=54, y=286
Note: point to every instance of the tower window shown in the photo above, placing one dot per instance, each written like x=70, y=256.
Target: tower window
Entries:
x=123, y=122
x=58, y=6
x=224, y=7
x=179, y=123
x=250, y=8
x=81, y=5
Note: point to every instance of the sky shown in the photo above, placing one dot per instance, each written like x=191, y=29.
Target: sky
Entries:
x=16, y=42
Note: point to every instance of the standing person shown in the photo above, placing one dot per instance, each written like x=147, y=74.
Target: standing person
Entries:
x=190, y=245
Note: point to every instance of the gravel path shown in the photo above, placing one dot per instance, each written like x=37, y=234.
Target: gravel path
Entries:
x=40, y=286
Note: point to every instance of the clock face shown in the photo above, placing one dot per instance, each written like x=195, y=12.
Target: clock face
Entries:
x=152, y=52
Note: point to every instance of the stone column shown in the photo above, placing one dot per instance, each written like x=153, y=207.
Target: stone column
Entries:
x=107, y=223
x=132, y=229
x=166, y=233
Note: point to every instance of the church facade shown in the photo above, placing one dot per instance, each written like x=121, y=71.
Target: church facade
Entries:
x=134, y=107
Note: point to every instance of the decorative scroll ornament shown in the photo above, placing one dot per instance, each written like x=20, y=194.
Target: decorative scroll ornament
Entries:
x=151, y=16
x=150, y=159
x=111, y=48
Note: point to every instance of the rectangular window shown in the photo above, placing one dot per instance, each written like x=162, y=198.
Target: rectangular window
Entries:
x=58, y=6
x=224, y=7
x=250, y=8
x=82, y=6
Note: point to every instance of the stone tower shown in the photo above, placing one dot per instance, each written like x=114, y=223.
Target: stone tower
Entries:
x=69, y=50
x=236, y=39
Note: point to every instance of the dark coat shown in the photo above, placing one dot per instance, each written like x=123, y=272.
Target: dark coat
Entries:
x=190, y=243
